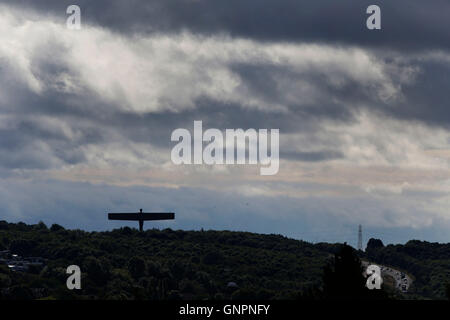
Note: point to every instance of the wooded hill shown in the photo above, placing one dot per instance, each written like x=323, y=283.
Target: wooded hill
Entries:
x=167, y=264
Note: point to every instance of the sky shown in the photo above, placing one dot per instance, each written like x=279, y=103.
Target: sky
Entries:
x=86, y=115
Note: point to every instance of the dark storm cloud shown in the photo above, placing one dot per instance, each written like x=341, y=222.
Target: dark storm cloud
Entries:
x=29, y=144
x=95, y=120
x=424, y=98
x=406, y=24
x=428, y=97
x=46, y=131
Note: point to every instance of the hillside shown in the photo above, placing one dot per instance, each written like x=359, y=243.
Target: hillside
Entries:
x=167, y=264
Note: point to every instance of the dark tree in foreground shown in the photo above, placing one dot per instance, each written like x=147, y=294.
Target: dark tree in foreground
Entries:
x=343, y=279
x=374, y=244
x=447, y=290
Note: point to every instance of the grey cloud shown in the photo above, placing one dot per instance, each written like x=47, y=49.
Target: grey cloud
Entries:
x=96, y=120
x=29, y=145
x=407, y=24
x=427, y=98
x=313, y=156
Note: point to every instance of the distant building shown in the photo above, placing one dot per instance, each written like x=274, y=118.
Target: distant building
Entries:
x=18, y=263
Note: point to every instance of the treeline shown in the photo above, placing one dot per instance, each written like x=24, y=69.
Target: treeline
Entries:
x=168, y=264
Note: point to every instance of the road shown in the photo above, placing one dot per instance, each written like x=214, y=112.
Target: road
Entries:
x=402, y=280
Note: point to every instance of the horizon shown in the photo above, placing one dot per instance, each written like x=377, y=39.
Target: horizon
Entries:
x=162, y=226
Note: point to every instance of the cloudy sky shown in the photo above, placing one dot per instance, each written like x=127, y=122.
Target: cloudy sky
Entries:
x=364, y=116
